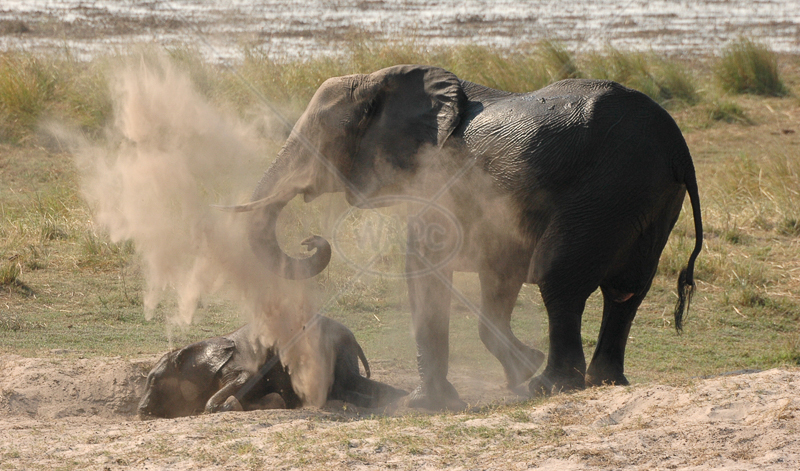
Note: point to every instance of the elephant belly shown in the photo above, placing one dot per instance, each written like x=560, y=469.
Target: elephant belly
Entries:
x=492, y=251
x=464, y=263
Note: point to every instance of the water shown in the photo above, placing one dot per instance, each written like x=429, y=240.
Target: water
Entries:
x=288, y=29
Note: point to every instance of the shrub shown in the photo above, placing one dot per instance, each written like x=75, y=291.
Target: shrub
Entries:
x=35, y=86
x=662, y=80
x=558, y=62
x=26, y=85
x=750, y=67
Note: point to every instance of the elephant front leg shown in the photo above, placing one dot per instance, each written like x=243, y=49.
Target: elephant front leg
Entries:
x=430, y=311
x=219, y=401
x=498, y=296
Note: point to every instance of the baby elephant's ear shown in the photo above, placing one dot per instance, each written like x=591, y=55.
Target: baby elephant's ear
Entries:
x=218, y=351
x=202, y=360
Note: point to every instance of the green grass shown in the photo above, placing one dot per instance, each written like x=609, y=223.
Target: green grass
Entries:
x=727, y=111
x=748, y=66
x=9, y=272
x=665, y=81
x=35, y=89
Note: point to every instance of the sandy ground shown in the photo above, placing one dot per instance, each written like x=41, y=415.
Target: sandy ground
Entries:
x=78, y=413
x=71, y=413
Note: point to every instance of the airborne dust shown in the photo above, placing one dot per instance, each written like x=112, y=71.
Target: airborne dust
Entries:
x=170, y=155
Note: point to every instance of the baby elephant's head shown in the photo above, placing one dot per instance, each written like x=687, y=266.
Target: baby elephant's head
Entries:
x=183, y=380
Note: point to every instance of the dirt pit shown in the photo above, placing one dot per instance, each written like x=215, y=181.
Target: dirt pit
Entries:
x=53, y=388
x=80, y=413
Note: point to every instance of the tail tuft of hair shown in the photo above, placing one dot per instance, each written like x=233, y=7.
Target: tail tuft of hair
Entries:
x=685, y=291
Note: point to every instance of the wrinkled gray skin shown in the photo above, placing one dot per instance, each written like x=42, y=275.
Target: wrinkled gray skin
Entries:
x=234, y=372
x=575, y=186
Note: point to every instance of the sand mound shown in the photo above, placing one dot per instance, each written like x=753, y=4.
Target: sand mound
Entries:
x=743, y=421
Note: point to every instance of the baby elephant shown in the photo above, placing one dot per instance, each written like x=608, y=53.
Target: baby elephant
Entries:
x=234, y=372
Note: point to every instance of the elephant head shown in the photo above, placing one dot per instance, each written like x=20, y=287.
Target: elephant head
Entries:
x=361, y=134
x=183, y=380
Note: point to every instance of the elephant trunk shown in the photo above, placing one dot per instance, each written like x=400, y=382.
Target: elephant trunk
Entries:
x=263, y=224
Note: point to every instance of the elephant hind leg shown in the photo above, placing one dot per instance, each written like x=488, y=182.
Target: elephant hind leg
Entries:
x=566, y=365
x=619, y=307
x=570, y=271
x=608, y=362
x=498, y=297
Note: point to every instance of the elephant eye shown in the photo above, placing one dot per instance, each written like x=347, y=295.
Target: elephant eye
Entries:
x=368, y=112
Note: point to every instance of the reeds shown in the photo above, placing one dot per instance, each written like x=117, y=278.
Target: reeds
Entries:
x=751, y=67
x=664, y=81
x=37, y=87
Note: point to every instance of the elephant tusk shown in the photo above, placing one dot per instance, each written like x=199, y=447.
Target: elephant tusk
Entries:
x=241, y=208
x=266, y=201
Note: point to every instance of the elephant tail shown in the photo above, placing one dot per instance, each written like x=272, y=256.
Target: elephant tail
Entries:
x=686, y=284
x=363, y=360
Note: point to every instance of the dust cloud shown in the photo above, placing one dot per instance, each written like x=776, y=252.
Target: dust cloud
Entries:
x=170, y=155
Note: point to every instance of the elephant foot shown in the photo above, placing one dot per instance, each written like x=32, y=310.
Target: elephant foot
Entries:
x=231, y=404
x=441, y=396
x=523, y=368
x=390, y=395
x=605, y=377
x=547, y=385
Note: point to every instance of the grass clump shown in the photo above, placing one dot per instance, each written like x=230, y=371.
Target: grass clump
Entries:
x=790, y=226
x=750, y=67
x=283, y=83
x=98, y=251
x=27, y=84
x=664, y=81
x=675, y=82
x=33, y=87
x=558, y=61
x=17, y=324
x=9, y=273
x=728, y=112
x=514, y=72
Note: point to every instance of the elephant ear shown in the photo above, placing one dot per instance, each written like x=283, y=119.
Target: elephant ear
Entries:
x=409, y=106
x=200, y=362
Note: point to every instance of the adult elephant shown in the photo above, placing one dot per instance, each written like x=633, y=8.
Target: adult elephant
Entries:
x=572, y=187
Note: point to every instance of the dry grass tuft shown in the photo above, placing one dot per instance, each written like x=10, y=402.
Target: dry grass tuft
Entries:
x=33, y=87
x=748, y=66
x=666, y=82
